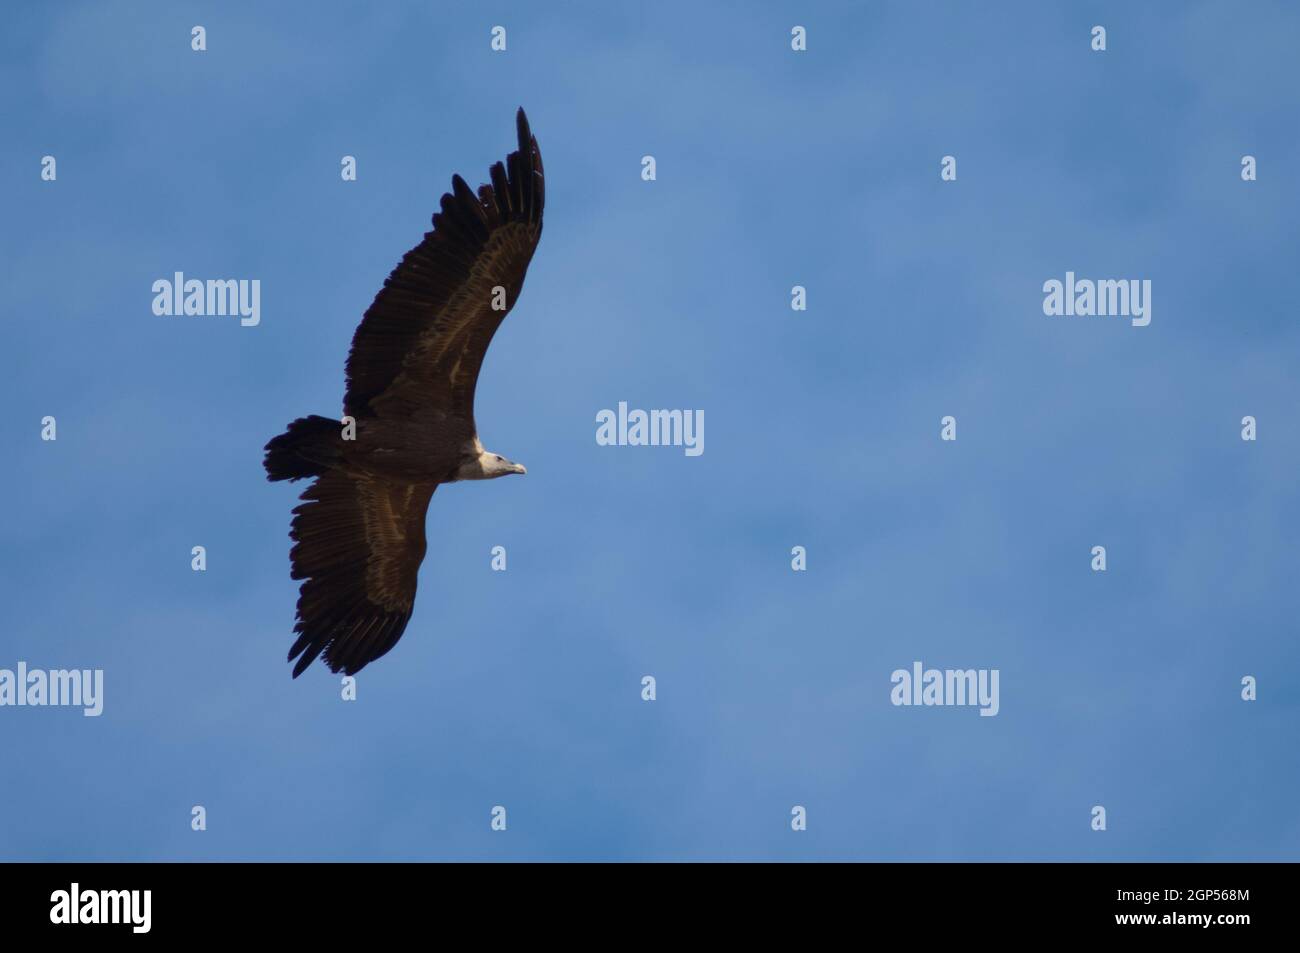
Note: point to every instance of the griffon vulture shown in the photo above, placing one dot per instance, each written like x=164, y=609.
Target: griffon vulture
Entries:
x=359, y=532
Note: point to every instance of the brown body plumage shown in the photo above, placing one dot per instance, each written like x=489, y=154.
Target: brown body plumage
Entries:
x=415, y=358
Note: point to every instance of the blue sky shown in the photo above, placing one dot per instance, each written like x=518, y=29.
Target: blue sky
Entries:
x=522, y=688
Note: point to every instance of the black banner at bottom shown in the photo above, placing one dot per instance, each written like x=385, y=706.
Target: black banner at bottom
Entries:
x=337, y=901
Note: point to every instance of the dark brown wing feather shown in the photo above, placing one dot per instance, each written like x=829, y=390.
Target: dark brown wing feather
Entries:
x=422, y=341
x=359, y=542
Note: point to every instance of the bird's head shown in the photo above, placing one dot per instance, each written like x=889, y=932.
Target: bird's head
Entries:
x=495, y=465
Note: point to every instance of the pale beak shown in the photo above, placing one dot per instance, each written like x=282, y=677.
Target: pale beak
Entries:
x=518, y=468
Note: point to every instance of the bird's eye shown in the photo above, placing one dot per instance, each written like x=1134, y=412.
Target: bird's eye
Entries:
x=500, y=458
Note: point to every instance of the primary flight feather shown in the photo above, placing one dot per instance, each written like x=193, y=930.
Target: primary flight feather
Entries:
x=411, y=373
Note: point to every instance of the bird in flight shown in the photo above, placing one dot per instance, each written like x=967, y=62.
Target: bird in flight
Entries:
x=408, y=421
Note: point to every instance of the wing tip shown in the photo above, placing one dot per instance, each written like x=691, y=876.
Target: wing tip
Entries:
x=527, y=141
x=304, y=660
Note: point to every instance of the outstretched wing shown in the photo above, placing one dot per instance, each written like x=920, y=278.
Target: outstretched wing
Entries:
x=422, y=341
x=358, y=546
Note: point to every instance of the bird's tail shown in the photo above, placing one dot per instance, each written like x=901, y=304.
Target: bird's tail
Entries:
x=308, y=448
